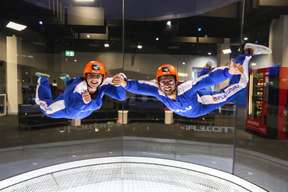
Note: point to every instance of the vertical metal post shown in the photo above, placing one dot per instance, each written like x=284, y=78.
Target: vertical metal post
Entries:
x=236, y=112
x=242, y=20
x=123, y=63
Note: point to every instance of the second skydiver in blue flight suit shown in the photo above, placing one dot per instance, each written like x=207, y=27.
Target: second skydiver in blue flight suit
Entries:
x=188, y=99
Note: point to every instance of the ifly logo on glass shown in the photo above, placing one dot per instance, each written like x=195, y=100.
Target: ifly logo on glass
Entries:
x=209, y=128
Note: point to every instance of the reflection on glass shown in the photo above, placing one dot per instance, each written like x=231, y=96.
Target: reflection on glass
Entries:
x=182, y=81
x=261, y=155
x=59, y=39
x=186, y=37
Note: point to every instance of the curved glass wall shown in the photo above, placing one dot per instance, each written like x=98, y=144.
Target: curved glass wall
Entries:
x=186, y=35
x=265, y=115
x=246, y=137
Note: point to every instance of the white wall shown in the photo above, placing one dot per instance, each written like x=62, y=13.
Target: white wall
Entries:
x=141, y=63
x=278, y=40
x=68, y=65
x=28, y=57
x=35, y=60
x=262, y=62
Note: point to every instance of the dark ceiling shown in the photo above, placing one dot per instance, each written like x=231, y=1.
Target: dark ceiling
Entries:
x=55, y=35
x=137, y=10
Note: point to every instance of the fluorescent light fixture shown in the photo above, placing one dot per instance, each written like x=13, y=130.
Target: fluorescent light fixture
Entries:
x=139, y=46
x=182, y=74
x=69, y=53
x=169, y=23
x=16, y=26
x=84, y=1
x=209, y=53
x=106, y=45
x=226, y=51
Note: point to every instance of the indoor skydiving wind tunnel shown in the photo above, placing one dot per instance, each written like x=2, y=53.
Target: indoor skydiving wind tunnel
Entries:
x=143, y=95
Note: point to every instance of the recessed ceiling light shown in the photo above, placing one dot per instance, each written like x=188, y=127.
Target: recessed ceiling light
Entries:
x=199, y=29
x=106, y=45
x=157, y=38
x=183, y=63
x=88, y=36
x=139, y=46
x=169, y=23
x=245, y=38
x=16, y=26
x=209, y=53
x=40, y=22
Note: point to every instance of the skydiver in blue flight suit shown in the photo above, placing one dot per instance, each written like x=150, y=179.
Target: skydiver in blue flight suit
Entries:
x=188, y=99
x=81, y=97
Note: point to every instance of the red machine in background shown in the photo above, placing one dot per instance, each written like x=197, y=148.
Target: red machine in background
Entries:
x=268, y=102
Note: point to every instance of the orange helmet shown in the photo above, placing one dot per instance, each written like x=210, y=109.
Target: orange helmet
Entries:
x=95, y=67
x=166, y=69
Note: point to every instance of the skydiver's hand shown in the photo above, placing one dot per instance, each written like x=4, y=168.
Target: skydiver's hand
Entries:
x=235, y=69
x=119, y=80
x=86, y=97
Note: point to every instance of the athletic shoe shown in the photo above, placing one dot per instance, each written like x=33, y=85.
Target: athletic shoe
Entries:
x=39, y=74
x=65, y=78
x=258, y=49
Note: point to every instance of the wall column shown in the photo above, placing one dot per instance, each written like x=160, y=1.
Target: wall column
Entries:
x=223, y=59
x=11, y=75
x=278, y=41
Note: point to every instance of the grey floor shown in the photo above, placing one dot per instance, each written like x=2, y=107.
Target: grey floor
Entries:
x=263, y=170
x=259, y=160
x=127, y=174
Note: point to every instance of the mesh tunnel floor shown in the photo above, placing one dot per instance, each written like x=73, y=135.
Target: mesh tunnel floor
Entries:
x=128, y=176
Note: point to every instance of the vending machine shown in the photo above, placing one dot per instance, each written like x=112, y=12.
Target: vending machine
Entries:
x=268, y=102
